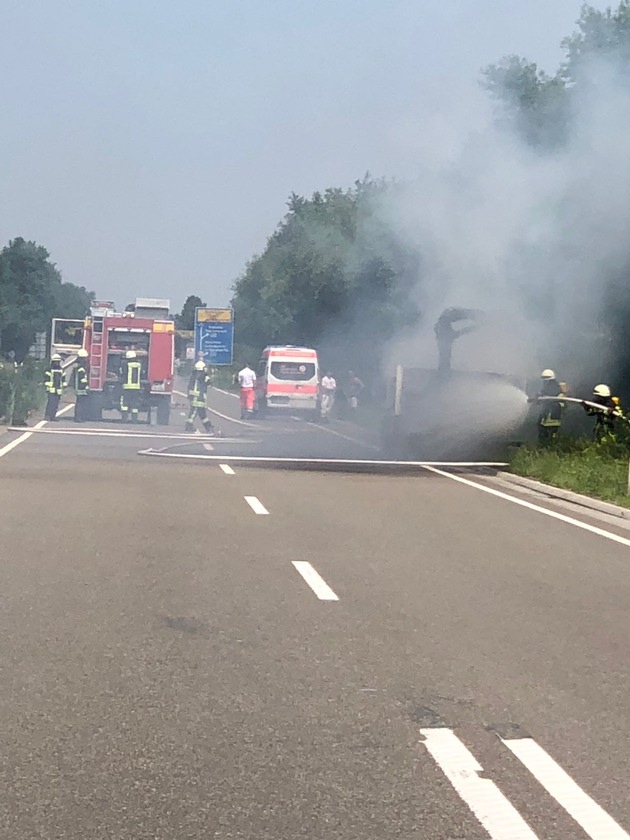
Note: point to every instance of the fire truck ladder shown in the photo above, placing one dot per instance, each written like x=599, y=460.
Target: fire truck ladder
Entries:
x=96, y=355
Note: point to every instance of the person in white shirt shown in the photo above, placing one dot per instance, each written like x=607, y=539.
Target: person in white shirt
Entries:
x=328, y=388
x=247, y=380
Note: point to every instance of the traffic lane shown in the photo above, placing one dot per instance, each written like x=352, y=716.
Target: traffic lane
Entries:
x=503, y=616
x=295, y=436
x=109, y=440
x=162, y=677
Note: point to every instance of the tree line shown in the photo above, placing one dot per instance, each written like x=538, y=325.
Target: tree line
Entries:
x=32, y=293
x=335, y=274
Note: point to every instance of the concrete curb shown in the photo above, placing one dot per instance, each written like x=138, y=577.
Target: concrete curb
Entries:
x=566, y=495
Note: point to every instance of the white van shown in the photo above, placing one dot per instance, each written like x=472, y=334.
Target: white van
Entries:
x=287, y=378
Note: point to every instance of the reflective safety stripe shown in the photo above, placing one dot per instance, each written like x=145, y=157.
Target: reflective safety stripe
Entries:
x=132, y=382
x=54, y=382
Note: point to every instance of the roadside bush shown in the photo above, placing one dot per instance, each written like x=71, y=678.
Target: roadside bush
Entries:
x=21, y=391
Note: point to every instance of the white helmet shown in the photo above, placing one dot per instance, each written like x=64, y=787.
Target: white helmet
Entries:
x=130, y=354
x=601, y=390
x=55, y=357
x=548, y=374
x=200, y=365
x=82, y=354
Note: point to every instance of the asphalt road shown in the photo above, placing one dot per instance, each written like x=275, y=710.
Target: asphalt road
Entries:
x=193, y=652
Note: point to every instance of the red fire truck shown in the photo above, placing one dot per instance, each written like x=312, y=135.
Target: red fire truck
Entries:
x=108, y=335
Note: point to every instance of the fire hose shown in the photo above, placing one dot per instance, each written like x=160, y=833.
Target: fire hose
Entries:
x=601, y=408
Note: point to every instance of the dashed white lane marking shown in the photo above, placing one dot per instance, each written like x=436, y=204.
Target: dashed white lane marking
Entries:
x=26, y=435
x=593, y=529
x=315, y=581
x=256, y=505
x=207, y=446
x=227, y=469
x=588, y=814
x=493, y=810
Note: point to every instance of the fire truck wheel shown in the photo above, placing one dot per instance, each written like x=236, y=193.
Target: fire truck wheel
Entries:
x=95, y=407
x=163, y=412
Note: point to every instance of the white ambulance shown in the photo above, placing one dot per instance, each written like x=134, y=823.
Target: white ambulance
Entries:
x=287, y=379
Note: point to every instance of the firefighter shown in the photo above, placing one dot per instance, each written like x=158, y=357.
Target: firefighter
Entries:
x=131, y=384
x=197, y=390
x=54, y=383
x=550, y=415
x=81, y=386
x=605, y=417
x=353, y=391
x=247, y=380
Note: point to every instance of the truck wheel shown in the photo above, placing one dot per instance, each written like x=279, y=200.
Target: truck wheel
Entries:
x=94, y=410
x=163, y=412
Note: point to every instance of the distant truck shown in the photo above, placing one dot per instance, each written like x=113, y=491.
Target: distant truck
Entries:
x=107, y=335
x=287, y=379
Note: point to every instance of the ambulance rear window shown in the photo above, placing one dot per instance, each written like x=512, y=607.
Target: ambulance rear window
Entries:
x=296, y=371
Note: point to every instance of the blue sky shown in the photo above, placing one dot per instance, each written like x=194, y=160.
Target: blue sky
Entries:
x=151, y=145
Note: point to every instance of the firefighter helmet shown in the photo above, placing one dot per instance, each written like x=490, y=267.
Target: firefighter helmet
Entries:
x=55, y=357
x=200, y=365
x=547, y=374
x=82, y=354
x=601, y=390
x=130, y=354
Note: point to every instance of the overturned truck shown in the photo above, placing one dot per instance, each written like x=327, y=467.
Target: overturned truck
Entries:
x=462, y=416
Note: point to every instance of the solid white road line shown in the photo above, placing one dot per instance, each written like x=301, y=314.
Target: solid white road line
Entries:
x=227, y=393
x=365, y=462
x=346, y=437
x=493, y=810
x=26, y=435
x=588, y=814
x=18, y=440
x=315, y=581
x=227, y=469
x=256, y=505
x=119, y=433
x=609, y=535
x=223, y=416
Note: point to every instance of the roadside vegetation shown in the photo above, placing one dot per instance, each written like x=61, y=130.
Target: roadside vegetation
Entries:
x=593, y=469
x=21, y=391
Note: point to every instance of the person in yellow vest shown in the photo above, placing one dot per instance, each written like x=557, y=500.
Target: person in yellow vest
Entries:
x=81, y=386
x=54, y=383
x=131, y=376
x=550, y=414
x=197, y=390
x=607, y=416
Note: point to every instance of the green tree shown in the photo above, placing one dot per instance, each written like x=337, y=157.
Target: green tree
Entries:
x=186, y=318
x=541, y=109
x=533, y=103
x=333, y=274
x=32, y=293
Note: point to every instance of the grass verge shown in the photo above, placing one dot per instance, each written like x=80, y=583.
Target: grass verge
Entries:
x=594, y=470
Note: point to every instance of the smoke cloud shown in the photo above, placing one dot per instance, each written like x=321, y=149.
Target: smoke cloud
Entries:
x=537, y=240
